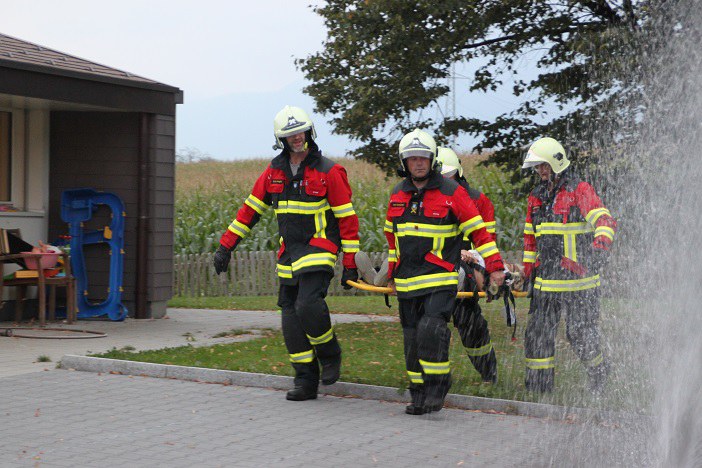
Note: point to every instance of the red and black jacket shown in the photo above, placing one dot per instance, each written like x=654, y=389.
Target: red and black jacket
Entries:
x=425, y=230
x=315, y=215
x=563, y=229
x=484, y=206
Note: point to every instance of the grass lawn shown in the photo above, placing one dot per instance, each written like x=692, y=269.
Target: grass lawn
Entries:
x=373, y=354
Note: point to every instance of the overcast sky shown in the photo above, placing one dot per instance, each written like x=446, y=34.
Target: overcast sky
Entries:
x=234, y=60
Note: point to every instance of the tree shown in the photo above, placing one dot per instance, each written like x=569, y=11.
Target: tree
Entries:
x=385, y=60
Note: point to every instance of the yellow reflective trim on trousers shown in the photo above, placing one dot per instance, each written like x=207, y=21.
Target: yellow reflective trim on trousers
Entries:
x=426, y=281
x=482, y=351
x=240, y=229
x=321, y=339
x=580, y=284
x=435, y=368
x=257, y=205
x=284, y=271
x=471, y=225
x=529, y=257
x=529, y=229
x=350, y=246
x=594, y=362
x=541, y=363
x=491, y=226
x=415, y=377
x=606, y=231
x=388, y=226
x=303, y=357
x=569, y=247
x=593, y=215
x=562, y=229
x=426, y=230
x=298, y=207
x=487, y=249
x=392, y=256
x=343, y=211
x=322, y=258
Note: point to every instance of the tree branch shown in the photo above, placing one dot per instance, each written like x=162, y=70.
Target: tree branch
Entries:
x=509, y=37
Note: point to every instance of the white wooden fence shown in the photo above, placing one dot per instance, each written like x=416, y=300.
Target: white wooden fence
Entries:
x=250, y=274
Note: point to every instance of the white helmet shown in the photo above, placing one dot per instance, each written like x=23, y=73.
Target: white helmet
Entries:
x=417, y=143
x=547, y=150
x=448, y=161
x=290, y=121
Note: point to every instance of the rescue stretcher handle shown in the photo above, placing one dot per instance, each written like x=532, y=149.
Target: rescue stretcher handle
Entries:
x=381, y=290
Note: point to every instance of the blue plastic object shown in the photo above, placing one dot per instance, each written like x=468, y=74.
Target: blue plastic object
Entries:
x=77, y=207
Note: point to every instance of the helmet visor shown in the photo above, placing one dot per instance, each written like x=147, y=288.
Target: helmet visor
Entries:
x=421, y=153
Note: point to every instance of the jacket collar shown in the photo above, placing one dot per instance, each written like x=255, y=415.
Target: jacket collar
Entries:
x=282, y=161
x=434, y=182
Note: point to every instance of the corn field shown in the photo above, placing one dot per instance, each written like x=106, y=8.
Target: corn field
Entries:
x=208, y=194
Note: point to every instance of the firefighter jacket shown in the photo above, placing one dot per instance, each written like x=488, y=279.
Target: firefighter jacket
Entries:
x=425, y=230
x=563, y=230
x=315, y=216
x=484, y=206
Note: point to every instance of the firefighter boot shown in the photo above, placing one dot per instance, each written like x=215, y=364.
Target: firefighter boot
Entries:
x=301, y=394
x=331, y=370
x=416, y=408
x=597, y=379
x=436, y=389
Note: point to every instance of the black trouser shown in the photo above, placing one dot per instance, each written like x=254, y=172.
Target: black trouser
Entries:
x=475, y=336
x=426, y=341
x=582, y=312
x=307, y=326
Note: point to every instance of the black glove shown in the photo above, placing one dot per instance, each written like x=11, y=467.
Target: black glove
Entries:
x=221, y=259
x=600, y=258
x=348, y=274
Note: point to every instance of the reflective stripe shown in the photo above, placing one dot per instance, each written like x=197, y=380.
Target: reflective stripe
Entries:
x=298, y=207
x=343, y=211
x=491, y=226
x=594, y=362
x=388, y=226
x=436, y=368
x=284, y=271
x=529, y=256
x=392, y=256
x=562, y=229
x=569, y=250
x=594, y=215
x=350, y=246
x=322, y=258
x=541, y=363
x=437, y=245
x=321, y=339
x=415, y=377
x=482, y=351
x=303, y=357
x=566, y=285
x=320, y=225
x=257, y=205
x=426, y=281
x=606, y=231
x=240, y=229
x=427, y=230
x=471, y=225
x=487, y=249
x=529, y=229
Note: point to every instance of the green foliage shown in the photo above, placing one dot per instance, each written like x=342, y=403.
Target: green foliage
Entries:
x=385, y=61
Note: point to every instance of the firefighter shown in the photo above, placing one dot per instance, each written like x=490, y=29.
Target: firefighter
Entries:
x=467, y=315
x=311, y=197
x=567, y=237
x=426, y=220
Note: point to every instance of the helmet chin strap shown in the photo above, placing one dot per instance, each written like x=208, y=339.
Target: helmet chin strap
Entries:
x=421, y=179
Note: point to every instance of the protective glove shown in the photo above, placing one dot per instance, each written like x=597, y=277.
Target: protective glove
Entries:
x=348, y=274
x=221, y=259
x=600, y=258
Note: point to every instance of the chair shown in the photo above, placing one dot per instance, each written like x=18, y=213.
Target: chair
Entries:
x=67, y=281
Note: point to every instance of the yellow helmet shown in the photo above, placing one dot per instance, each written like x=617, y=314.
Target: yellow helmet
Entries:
x=448, y=161
x=417, y=143
x=290, y=121
x=547, y=150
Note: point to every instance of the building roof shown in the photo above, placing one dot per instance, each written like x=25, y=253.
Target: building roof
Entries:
x=17, y=53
